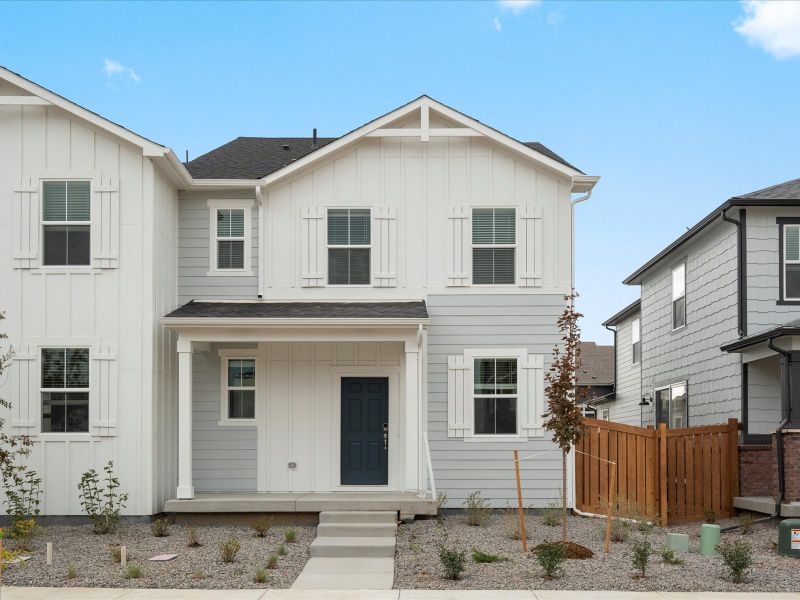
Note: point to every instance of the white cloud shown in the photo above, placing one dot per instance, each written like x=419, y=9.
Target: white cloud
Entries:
x=498, y=26
x=518, y=6
x=114, y=68
x=775, y=26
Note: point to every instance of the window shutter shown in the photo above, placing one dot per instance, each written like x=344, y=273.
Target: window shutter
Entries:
x=385, y=255
x=530, y=239
x=104, y=388
x=25, y=224
x=459, y=380
x=312, y=240
x=24, y=380
x=458, y=246
x=105, y=223
x=532, y=396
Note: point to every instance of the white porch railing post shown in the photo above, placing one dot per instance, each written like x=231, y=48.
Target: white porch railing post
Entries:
x=185, y=489
x=412, y=414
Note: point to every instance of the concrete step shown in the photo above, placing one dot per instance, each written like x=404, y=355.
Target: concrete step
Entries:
x=357, y=530
x=355, y=547
x=358, y=516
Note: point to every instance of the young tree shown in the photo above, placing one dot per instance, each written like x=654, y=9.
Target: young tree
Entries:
x=563, y=416
x=12, y=447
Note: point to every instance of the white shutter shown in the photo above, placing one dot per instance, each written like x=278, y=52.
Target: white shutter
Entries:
x=530, y=243
x=105, y=223
x=24, y=380
x=385, y=247
x=531, y=402
x=458, y=246
x=103, y=390
x=312, y=251
x=459, y=380
x=25, y=224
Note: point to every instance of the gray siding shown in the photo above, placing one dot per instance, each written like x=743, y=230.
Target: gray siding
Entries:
x=763, y=269
x=223, y=458
x=692, y=353
x=763, y=395
x=491, y=321
x=194, y=260
x=625, y=408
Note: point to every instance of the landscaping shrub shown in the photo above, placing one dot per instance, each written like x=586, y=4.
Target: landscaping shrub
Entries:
x=229, y=549
x=116, y=554
x=192, y=539
x=550, y=556
x=272, y=561
x=551, y=516
x=484, y=557
x=261, y=527
x=640, y=556
x=22, y=531
x=452, y=562
x=668, y=556
x=260, y=576
x=441, y=500
x=102, y=500
x=198, y=575
x=511, y=524
x=133, y=572
x=281, y=550
x=738, y=557
x=290, y=535
x=72, y=572
x=746, y=522
x=6, y=558
x=160, y=526
x=477, y=509
x=22, y=491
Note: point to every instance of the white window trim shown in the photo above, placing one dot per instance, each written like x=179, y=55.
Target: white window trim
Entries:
x=674, y=298
x=247, y=207
x=636, y=337
x=64, y=434
x=786, y=261
x=514, y=246
x=225, y=356
x=43, y=224
x=469, y=401
x=670, y=387
x=356, y=246
x=604, y=414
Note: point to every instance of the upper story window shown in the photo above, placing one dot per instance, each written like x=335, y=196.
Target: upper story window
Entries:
x=349, y=244
x=679, y=296
x=230, y=236
x=636, y=341
x=65, y=390
x=791, y=263
x=66, y=223
x=495, y=394
x=672, y=405
x=494, y=237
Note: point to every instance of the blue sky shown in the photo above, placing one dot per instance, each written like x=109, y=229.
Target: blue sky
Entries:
x=678, y=106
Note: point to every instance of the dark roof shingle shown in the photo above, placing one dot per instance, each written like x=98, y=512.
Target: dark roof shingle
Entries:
x=788, y=190
x=597, y=364
x=302, y=310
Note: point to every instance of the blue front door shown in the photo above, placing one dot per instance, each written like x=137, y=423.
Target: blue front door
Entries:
x=365, y=431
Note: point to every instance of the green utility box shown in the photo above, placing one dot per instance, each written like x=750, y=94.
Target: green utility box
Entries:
x=789, y=537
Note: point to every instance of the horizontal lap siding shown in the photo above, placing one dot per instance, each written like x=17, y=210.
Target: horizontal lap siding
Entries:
x=489, y=321
x=693, y=353
x=763, y=395
x=625, y=407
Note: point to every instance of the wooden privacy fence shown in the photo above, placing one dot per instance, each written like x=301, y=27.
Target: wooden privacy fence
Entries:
x=674, y=474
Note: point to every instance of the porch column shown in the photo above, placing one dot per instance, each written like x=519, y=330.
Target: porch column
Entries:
x=412, y=414
x=185, y=489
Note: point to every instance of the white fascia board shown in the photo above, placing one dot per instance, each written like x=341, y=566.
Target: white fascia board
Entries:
x=187, y=322
x=225, y=184
x=583, y=183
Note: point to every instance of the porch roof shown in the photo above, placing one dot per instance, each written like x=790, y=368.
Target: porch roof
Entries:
x=790, y=328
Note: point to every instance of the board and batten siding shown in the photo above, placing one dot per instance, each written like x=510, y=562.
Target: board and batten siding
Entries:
x=628, y=392
x=462, y=466
x=693, y=354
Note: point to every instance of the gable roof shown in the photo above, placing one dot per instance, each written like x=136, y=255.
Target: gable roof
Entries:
x=630, y=310
x=597, y=364
x=781, y=194
x=257, y=157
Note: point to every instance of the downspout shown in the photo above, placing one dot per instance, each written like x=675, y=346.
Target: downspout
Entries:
x=583, y=198
x=740, y=272
x=614, y=331
x=786, y=390
x=261, y=241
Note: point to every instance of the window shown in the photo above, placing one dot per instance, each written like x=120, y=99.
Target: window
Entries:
x=679, y=296
x=240, y=389
x=672, y=405
x=349, y=246
x=636, y=341
x=791, y=262
x=230, y=238
x=65, y=390
x=493, y=246
x=66, y=223
x=495, y=393
x=605, y=414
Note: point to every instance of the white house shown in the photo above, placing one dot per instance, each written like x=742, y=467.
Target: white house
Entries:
x=282, y=323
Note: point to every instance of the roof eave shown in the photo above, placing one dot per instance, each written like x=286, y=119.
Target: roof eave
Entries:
x=303, y=322
x=629, y=310
x=760, y=338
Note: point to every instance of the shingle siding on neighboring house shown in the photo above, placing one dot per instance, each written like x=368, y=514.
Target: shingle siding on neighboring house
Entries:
x=763, y=268
x=625, y=408
x=692, y=354
x=763, y=394
x=489, y=321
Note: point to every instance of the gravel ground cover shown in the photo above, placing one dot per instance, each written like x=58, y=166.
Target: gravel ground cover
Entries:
x=417, y=562
x=201, y=567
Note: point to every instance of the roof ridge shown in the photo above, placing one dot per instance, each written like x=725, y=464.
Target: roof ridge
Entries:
x=768, y=188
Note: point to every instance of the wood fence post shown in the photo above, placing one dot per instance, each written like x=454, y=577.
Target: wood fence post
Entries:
x=519, y=504
x=733, y=461
x=662, y=472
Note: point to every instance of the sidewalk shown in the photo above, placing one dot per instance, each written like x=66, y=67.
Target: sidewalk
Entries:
x=28, y=593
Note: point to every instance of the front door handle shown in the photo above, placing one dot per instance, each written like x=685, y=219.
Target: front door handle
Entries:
x=385, y=436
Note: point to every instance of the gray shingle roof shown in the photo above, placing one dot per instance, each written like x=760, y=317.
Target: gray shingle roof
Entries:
x=597, y=364
x=302, y=310
x=257, y=157
x=788, y=190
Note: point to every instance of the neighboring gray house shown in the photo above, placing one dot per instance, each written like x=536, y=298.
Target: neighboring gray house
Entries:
x=283, y=324
x=623, y=403
x=718, y=313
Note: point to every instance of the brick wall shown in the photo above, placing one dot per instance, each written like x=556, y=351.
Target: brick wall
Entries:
x=758, y=471
x=791, y=465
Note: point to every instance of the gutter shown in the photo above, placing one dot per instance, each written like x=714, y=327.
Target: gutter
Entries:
x=741, y=270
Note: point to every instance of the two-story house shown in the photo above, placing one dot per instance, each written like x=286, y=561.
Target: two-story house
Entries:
x=713, y=337
x=282, y=324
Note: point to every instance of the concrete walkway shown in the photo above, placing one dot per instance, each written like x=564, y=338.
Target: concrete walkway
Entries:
x=28, y=593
